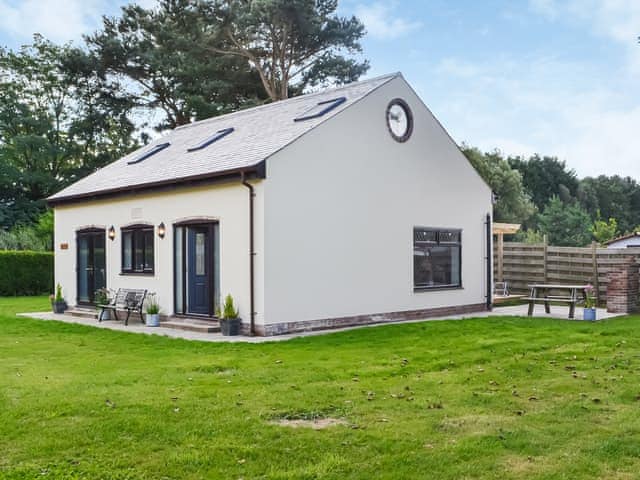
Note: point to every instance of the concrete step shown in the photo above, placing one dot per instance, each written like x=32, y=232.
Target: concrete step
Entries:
x=82, y=312
x=192, y=325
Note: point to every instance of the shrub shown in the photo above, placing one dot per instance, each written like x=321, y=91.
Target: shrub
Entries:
x=25, y=273
x=229, y=310
x=152, y=305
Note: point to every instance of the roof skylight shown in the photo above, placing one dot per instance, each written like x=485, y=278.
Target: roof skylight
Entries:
x=214, y=138
x=320, y=109
x=152, y=151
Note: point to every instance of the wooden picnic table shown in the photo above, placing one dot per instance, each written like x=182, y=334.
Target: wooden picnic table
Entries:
x=541, y=293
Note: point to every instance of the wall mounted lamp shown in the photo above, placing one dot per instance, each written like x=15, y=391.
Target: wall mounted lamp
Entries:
x=112, y=233
x=161, y=230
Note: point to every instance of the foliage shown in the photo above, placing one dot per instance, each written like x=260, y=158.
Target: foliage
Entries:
x=59, y=297
x=25, y=273
x=565, y=224
x=493, y=399
x=612, y=197
x=514, y=204
x=546, y=177
x=228, y=309
x=102, y=296
x=34, y=237
x=152, y=307
x=529, y=236
x=57, y=125
x=158, y=58
x=292, y=44
x=590, y=299
x=604, y=231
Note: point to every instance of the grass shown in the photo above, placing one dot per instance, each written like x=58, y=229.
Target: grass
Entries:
x=497, y=398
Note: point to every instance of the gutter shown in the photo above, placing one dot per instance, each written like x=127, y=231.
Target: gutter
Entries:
x=252, y=252
x=489, y=259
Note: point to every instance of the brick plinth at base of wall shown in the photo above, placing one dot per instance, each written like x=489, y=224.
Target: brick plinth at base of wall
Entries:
x=375, y=318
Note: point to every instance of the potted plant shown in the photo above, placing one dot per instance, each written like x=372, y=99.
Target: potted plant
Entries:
x=589, y=304
x=152, y=318
x=228, y=317
x=58, y=304
x=103, y=297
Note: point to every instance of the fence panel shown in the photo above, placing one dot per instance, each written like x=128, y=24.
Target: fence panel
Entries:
x=526, y=263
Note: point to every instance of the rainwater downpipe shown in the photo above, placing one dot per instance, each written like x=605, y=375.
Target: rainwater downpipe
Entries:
x=252, y=253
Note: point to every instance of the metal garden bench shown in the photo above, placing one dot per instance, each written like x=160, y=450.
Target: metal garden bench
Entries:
x=126, y=299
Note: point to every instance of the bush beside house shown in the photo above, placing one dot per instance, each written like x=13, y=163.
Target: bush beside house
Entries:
x=25, y=273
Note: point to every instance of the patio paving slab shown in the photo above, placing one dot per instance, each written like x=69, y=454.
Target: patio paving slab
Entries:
x=557, y=312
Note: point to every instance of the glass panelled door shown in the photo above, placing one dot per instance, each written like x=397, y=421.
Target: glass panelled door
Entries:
x=90, y=265
x=196, y=269
x=199, y=273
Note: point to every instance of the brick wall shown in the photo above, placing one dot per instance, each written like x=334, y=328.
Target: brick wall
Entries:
x=623, y=289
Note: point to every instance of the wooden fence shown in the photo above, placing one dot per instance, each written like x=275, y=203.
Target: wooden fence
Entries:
x=521, y=264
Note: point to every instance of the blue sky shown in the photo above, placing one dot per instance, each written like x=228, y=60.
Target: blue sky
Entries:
x=558, y=77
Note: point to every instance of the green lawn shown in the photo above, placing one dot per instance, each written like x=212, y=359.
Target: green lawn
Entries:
x=488, y=398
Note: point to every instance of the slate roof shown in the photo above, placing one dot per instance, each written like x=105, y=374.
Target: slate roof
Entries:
x=259, y=132
x=623, y=237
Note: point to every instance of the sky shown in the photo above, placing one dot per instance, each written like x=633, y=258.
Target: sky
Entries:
x=554, y=77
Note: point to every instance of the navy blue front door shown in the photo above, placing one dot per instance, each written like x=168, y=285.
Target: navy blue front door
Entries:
x=199, y=270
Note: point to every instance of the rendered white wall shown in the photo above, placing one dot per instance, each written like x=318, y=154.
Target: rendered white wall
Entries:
x=227, y=203
x=340, y=207
x=627, y=242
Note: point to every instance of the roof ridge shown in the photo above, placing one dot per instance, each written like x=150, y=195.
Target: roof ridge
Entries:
x=388, y=76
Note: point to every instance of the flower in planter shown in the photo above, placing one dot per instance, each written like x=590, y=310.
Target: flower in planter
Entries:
x=590, y=300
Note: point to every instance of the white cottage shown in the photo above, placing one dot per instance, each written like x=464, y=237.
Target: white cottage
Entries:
x=336, y=208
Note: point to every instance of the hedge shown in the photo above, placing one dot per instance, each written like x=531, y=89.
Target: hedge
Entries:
x=25, y=273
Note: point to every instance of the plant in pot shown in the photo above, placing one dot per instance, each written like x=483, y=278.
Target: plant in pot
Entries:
x=103, y=296
x=228, y=317
x=58, y=305
x=152, y=318
x=589, y=304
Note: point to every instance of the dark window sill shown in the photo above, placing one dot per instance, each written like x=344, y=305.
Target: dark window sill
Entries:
x=436, y=289
x=137, y=274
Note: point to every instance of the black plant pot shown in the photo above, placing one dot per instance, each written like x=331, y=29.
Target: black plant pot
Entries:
x=59, y=307
x=230, y=326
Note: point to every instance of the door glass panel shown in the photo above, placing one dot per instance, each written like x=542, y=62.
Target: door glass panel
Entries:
x=99, y=270
x=200, y=254
x=83, y=269
x=179, y=268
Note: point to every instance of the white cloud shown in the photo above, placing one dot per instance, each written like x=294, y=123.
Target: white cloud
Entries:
x=616, y=19
x=380, y=23
x=57, y=20
x=543, y=105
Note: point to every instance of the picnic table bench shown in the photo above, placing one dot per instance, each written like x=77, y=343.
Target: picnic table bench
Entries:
x=126, y=299
x=541, y=293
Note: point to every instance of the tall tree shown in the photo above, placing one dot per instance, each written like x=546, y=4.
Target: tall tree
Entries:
x=545, y=177
x=55, y=127
x=292, y=44
x=603, y=231
x=162, y=56
x=565, y=224
x=514, y=204
x=612, y=197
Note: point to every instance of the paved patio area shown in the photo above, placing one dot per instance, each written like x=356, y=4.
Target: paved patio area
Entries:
x=557, y=312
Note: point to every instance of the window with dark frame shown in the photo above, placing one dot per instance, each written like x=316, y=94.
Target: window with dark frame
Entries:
x=149, y=153
x=320, y=109
x=137, y=249
x=437, y=258
x=212, y=139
